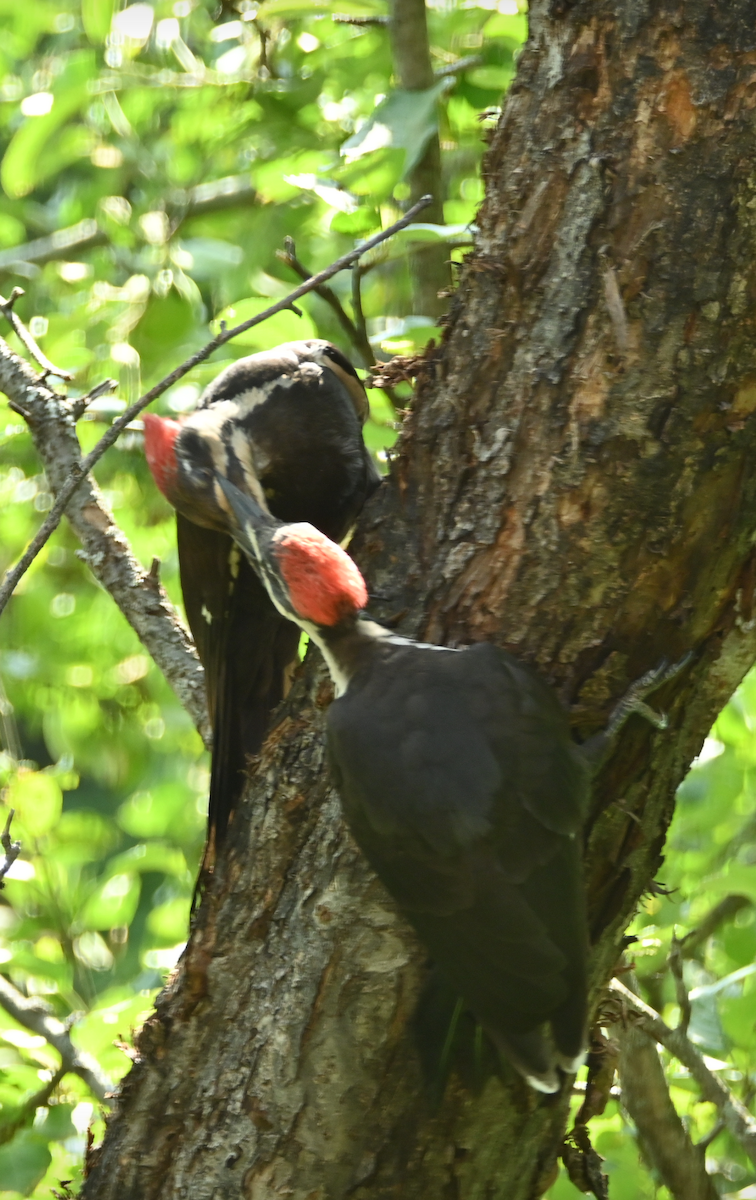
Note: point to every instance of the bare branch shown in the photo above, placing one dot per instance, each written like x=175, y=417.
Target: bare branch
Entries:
x=34, y=1015
x=12, y=849
x=25, y=338
x=25, y=1114
x=232, y=191
x=356, y=335
x=105, y=549
x=461, y=64
x=727, y=908
x=79, y=470
x=663, y=1137
x=344, y=19
x=78, y=237
x=681, y=992
x=736, y=1116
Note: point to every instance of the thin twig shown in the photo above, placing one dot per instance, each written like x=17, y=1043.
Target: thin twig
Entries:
x=26, y=339
x=461, y=64
x=33, y=1015
x=12, y=849
x=724, y=911
x=681, y=992
x=81, y=470
x=78, y=407
x=345, y=19
x=105, y=548
x=736, y=1116
x=357, y=337
x=359, y=315
x=26, y=1113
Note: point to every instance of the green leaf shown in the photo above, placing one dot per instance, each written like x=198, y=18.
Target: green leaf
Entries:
x=291, y=8
x=25, y=163
x=57, y=1124
x=404, y=120
x=283, y=327
x=37, y=799
x=23, y=1162
x=362, y=220
x=153, y=813
x=96, y=17
x=112, y=903
x=170, y=921
x=149, y=856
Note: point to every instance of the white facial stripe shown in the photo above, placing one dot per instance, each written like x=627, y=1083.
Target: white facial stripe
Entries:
x=240, y=444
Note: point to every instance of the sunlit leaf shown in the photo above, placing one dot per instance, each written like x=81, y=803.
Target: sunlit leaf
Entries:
x=37, y=799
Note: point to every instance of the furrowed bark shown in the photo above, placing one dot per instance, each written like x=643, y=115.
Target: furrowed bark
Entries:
x=576, y=482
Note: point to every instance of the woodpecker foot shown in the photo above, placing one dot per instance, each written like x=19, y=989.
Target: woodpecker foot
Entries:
x=633, y=700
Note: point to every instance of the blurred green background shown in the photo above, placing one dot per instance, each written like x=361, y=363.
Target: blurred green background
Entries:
x=177, y=144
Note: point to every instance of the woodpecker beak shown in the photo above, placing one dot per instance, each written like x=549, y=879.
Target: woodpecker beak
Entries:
x=252, y=527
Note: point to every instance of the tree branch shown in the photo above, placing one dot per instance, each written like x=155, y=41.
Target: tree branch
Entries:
x=357, y=336
x=34, y=1015
x=25, y=338
x=646, y=1097
x=80, y=469
x=25, y=1114
x=230, y=192
x=736, y=1116
x=12, y=849
x=105, y=549
x=727, y=908
x=410, y=50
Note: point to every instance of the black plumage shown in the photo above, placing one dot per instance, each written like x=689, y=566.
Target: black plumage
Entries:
x=286, y=427
x=464, y=790
x=462, y=786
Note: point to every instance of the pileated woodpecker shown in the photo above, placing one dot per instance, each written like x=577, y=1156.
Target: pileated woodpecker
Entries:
x=286, y=427
x=462, y=786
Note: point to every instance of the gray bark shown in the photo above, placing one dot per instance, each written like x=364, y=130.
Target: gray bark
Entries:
x=576, y=482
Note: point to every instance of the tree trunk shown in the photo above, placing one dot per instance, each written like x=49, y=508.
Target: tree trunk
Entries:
x=576, y=482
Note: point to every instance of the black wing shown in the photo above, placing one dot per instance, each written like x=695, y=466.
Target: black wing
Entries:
x=466, y=793
x=247, y=649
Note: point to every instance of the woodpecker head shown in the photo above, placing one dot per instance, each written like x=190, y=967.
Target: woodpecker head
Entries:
x=310, y=579
x=240, y=427
x=184, y=456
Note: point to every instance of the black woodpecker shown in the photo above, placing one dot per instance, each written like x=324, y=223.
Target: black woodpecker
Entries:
x=463, y=788
x=286, y=427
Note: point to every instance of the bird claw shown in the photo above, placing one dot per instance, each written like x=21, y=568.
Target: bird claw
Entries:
x=633, y=700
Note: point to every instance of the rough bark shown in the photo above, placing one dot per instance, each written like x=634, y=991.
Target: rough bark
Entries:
x=577, y=483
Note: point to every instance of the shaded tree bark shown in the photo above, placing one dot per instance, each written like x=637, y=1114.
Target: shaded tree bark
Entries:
x=576, y=482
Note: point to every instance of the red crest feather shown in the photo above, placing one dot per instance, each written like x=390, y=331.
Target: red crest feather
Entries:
x=324, y=584
x=160, y=433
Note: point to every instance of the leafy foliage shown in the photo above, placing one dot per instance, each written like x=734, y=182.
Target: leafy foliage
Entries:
x=179, y=144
